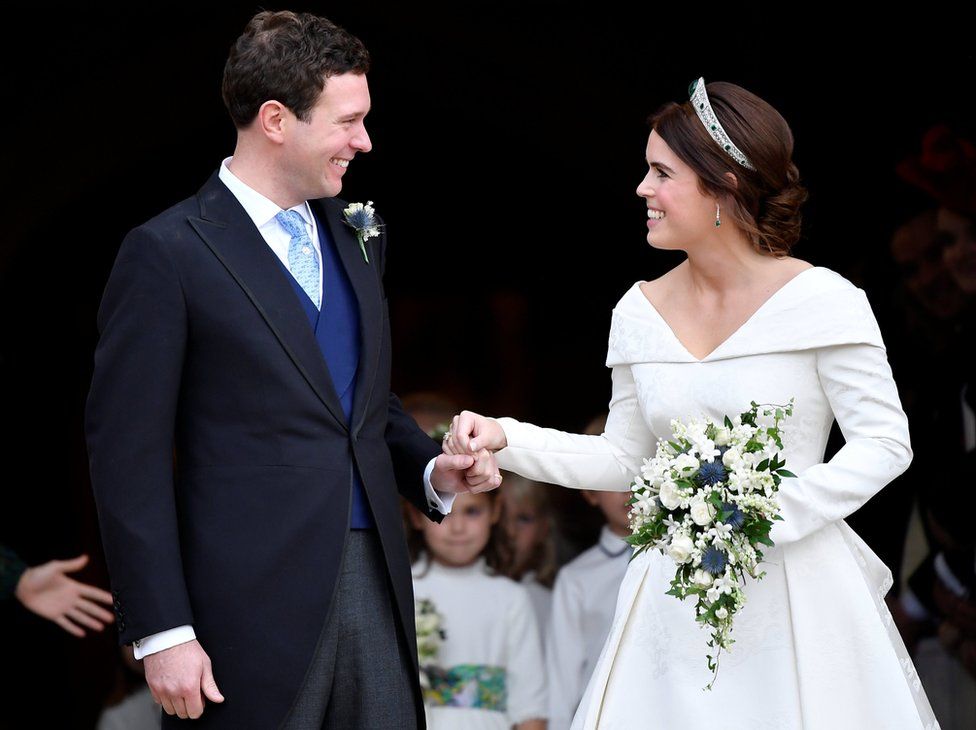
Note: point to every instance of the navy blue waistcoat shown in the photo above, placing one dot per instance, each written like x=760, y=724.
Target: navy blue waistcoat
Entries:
x=337, y=332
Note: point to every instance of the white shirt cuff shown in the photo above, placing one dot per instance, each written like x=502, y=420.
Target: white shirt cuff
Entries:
x=163, y=640
x=441, y=501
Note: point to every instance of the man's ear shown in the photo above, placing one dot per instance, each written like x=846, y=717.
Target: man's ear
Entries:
x=273, y=118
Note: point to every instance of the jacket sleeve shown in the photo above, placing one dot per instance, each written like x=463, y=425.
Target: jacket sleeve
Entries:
x=607, y=462
x=858, y=384
x=129, y=425
x=410, y=448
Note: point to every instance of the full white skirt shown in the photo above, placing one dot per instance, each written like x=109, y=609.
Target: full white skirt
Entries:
x=815, y=649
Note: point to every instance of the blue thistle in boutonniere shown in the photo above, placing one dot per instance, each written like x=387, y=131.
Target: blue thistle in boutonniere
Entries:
x=362, y=218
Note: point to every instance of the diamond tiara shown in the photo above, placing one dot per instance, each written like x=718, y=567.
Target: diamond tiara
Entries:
x=699, y=99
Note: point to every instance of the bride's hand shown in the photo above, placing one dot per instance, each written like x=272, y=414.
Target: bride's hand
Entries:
x=471, y=432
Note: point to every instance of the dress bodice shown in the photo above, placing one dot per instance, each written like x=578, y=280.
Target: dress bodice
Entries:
x=770, y=358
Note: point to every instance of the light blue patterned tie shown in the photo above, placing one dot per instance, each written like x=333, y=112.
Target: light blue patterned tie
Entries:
x=303, y=262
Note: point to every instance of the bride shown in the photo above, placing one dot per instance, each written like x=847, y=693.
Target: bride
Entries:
x=738, y=321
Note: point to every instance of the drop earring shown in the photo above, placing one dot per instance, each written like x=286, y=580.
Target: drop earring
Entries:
x=718, y=215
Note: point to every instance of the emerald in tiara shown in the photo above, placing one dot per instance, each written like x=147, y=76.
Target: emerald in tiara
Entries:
x=703, y=108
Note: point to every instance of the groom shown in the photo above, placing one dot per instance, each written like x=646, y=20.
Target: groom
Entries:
x=247, y=455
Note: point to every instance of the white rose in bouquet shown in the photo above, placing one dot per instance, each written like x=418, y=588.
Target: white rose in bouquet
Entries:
x=731, y=458
x=670, y=495
x=680, y=548
x=686, y=462
x=702, y=512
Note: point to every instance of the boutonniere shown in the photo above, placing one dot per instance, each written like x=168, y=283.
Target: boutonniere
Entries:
x=362, y=218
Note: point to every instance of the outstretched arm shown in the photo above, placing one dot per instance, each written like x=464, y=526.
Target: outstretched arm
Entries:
x=605, y=462
x=48, y=591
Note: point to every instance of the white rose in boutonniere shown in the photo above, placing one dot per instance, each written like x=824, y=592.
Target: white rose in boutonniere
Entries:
x=362, y=218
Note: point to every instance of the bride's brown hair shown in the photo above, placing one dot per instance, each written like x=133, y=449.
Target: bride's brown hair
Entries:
x=766, y=202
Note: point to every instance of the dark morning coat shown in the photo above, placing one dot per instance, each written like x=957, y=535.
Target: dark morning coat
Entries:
x=220, y=455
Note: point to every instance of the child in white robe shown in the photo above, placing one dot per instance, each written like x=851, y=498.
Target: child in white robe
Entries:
x=583, y=604
x=489, y=672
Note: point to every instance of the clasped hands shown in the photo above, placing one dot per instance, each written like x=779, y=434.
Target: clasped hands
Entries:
x=475, y=437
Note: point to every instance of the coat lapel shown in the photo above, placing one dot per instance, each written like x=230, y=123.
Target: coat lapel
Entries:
x=228, y=231
x=365, y=282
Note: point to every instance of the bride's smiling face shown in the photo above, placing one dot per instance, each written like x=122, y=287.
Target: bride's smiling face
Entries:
x=672, y=187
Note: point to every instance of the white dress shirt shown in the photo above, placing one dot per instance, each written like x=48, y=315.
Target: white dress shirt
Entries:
x=262, y=212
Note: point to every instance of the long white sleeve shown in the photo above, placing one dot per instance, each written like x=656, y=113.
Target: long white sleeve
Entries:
x=607, y=462
x=857, y=381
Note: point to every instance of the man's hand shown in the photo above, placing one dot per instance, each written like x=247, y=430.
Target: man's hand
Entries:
x=49, y=592
x=176, y=677
x=465, y=473
x=471, y=432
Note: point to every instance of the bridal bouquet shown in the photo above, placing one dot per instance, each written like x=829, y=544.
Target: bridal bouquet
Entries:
x=708, y=501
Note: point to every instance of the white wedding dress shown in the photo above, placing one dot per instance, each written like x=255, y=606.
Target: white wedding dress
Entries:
x=815, y=647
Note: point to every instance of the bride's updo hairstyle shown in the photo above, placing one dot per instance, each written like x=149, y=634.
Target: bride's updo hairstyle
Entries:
x=766, y=203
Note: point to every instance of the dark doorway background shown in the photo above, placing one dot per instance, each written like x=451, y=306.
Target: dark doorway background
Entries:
x=508, y=141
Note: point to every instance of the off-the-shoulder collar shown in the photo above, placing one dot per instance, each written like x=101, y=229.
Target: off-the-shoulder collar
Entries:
x=816, y=308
